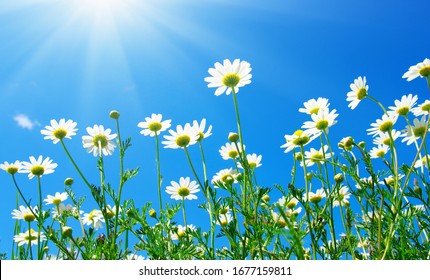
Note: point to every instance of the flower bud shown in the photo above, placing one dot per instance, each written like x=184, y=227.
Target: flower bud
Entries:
x=338, y=178
x=114, y=114
x=233, y=137
x=362, y=144
x=152, y=213
x=67, y=232
x=68, y=182
x=266, y=198
x=309, y=176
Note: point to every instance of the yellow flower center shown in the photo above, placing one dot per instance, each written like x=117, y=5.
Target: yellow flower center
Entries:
x=183, y=140
x=60, y=133
x=386, y=141
x=361, y=93
x=223, y=211
x=100, y=138
x=232, y=154
x=316, y=198
x=426, y=107
x=252, y=164
x=314, y=110
x=28, y=217
x=31, y=235
x=154, y=126
x=403, y=111
x=56, y=201
x=316, y=157
x=425, y=71
x=281, y=223
x=419, y=131
x=291, y=204
x=380, y=153
x=386, y=126
x=92, y=215
x=110, y=214
x=231, y=80
x=183, y=191
x=37, y=170
x=201, y=136
x=321, y=124
x=227, y=178
x=300, y=140
x=181, y=234
x=12, y=169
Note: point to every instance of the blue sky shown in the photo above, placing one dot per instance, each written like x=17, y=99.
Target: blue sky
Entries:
x=79, y=59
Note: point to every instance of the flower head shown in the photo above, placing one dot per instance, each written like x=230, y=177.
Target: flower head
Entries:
x=313, y=106
x=11, y=168
x=200, y=128
x=316, y=156
x=94, y=218
x=297, y=139
x=56, y=199
x=29, y=236
x=315, y=197
x=379, y=152
x=383, y=138
x=99, y=141
x=186, y=189
x=38, y=167
x=384, y=124
x=229, y=75
x=63, y=209
x=154, y=125
x=422, y=109
x=25, y=213
x=181, y=231
x=342, y=198
x=289, y=203
x=424, y=161
x=404, y=105
x=321, y=122
x=134, y=257
x=57, y=131
x=254, y=161
x=231, y=150
x=224, y=219
x=421, y=69
x=182, y=137
x=225, y=176
x=358, y=92
x=416, y=131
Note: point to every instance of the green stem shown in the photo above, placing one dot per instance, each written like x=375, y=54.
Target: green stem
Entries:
x=39, y=223
x=157, y=155
x=29, y=241
x=183, y=213
x=75, y=165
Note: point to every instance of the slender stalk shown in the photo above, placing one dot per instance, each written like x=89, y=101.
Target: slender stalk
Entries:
x=39, y=222
x=183, y=213
x=157, y=156
x=29, y=241
x=74, y=164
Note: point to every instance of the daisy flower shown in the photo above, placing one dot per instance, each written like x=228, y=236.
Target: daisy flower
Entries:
x=359, y=90
x=186, y=189
x=59, y=130
x=316, y=156
x=383, y=138
x=94, y=218
x=25, y=213
x=56, y=199
x=315, y=197
x=422, y=69
x=254, y=161
x=343, y=196
x=65, y=209
x=379, y=152
x=182, y=137
x=279, y=219
x=297, y=139
x=290, y=203
x=200, y=128
x=181, y=231
x=384, y=124
x=29, y=236
x=422, y=109
x=416, y=131
x=111, y=211
x=224, y=219
x=11, y=168
x=225, y=176
x=389, y=181
x=99, y=141
x=229, y=75
x=321, y=122
x=154, y=125
x=422, y=162
x=404, y=106
x=366, y=182
x=134, y=257
x=346, y=143
x=293, y=212
x=231, y=150
x=38, y=167
x=313, y=106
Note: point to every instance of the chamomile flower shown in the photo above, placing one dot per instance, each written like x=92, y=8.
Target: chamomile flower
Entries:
x=229, y=75
x=384, y=124
x=231, y=150
x=185, y=189
x=379, y=152
x=254, y=161
x=56, y=199
x=321, y=122
x=134, y=257
x=289, y=203
x=225, y=176
x=25, y=213
x=424, y=161
x=315, y=197
x=383, y=138
x=422, y=109
x=359, y=91
x=313, y=106
x=38, y=167
x=416, y=131
x=99, y=141
x=111, y=211
x=200, y=128
x=63, y=209
x=421, y=69
x=316, y=156
x=182, y=137
x=342, y=198
x=297, y=139
x=181, y=231
x=30, y=236
x=59, y=130
x=154, y=125
x=11, y=168
x=389, y=181
x=404, y=105
x=94, y=218
x=224, y=219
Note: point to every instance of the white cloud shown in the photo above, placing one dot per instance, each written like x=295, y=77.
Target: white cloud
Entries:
x=25, y=122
